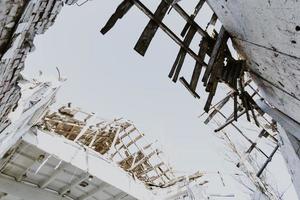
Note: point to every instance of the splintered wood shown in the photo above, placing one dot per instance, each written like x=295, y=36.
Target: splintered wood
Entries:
x=266, y=127
x=216, y=64
x=119, y=140
x=221, y=66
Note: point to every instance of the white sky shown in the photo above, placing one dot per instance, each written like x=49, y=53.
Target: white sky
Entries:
x=106, y=76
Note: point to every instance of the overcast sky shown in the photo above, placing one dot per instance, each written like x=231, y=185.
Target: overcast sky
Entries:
x=105, y=75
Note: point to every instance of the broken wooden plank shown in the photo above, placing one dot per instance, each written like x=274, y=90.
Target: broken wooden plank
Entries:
x=212, y=21
x=197, y=70
x=243, y=98
x=235, y=106
x=198, y=67
x=181, y=55
x=192, y=17
x=245, y=105
x=212, y=90
x=227, y=71
x=232, y=72
x=172, y=35
x=151, y=28
x=217, y=109
x=187, y=86
x=238, y=106
x=252, y=107
x=215, y=77
x=122, y=9
x=186, y=17
x=222, y=38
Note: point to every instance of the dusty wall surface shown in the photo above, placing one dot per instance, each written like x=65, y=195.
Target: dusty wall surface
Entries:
x=20, y=22
x=267, y=34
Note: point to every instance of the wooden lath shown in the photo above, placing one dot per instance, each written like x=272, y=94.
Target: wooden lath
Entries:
x=111, y=138
x=221, y=67
x=267, y=126
x=151, y=28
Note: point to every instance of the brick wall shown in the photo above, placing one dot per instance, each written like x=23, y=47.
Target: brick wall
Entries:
x=20, y=22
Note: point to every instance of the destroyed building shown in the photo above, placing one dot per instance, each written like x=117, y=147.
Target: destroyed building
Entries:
x=262, y=86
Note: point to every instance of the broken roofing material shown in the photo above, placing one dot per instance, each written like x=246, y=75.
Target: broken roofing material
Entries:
x=69, y=155
x=221, y=67
x=36, y=96
x=252, y=147
x=118, y=140
x=121, y=143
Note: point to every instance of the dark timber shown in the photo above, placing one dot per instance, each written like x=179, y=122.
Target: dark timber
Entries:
x=150, y=30
x=221, y=67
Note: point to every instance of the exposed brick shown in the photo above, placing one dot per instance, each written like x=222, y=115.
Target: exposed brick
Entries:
x=20, y=21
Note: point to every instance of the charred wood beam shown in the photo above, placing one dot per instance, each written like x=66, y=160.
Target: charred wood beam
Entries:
x=181, y=55
x=214, y=106
x=122, y=9
x=239, y=130
x=252, y=105
x=233, y=70
x=187, y=86
x=254, y=144
x=248, y=102
x=243, y=99
x=191, y=21
x=198, y=67
x=232, y=79
x=221, y=40
x=267, y=161
x=246, y=105
x=229, y=94
x=212, y=84
x=197, y=70
x=172, y=35
x=192, y=17
x=230, y=121
x=150, y=30
x=233, y=83
x=235, y=106
x=212, y=21
x=217, y=109
x=215, y=75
